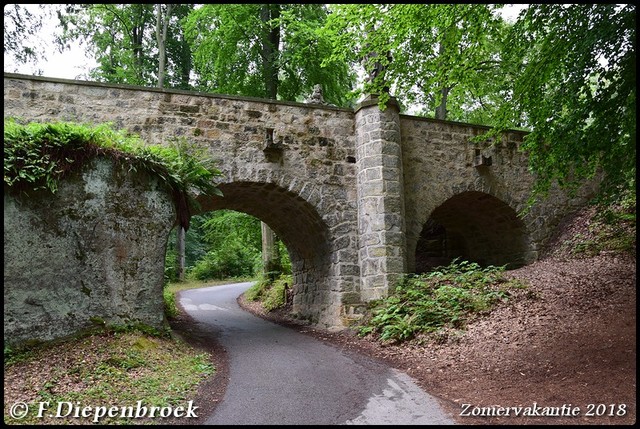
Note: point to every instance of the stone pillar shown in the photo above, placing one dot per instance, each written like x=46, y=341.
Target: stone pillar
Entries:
x=381, y=228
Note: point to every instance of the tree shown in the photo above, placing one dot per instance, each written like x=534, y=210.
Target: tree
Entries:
x=130, y=41
x=435, y=55
x=234, y=243
x=122, y=39
x=267, y=51
x=162, y=26
x=575, y=87
x=21, y=24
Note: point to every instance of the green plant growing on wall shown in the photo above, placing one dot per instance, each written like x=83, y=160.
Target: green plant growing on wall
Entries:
x=39, y=155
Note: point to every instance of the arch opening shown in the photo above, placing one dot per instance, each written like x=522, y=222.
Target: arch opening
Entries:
x=221, y=245
x=299, y=226
x=472, y=226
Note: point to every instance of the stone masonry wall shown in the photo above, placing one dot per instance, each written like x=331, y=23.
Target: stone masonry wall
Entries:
x=482, y=203
x=90, y=254
x=380, y=198
x=303, y=185
x=348, y=192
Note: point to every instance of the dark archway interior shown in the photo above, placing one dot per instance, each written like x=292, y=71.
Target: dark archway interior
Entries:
x=472, y=226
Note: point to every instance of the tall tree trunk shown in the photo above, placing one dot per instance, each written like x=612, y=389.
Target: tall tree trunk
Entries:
x=270, y=48
x=181, y=253
x=270, y=254
x=137, y=34
x=441, y=109
x=445, y=46
x=162, y=25
x=270, y=53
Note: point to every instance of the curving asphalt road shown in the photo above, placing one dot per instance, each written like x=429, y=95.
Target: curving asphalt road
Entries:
x=280, y=376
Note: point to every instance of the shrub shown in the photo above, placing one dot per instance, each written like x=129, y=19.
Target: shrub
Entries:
x=276, y=296
x=271, y=293
x=230, y=260
x=170, y=307
x=448, y=297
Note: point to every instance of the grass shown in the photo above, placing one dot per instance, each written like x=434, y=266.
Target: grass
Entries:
x=105, y=370
x=115, y=368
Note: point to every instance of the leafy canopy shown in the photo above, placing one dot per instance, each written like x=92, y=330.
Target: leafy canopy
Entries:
x=234, y=52
x=575, y=87
x=429, y=52
x=122, y=39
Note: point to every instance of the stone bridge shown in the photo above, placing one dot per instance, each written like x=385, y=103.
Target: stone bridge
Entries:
x=359, y=197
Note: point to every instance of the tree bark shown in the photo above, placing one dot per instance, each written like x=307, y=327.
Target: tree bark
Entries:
x=270, y=254
x=441, y=110
x=181, y=253
x=270, y=51
x=162, y=25
x=270, y=48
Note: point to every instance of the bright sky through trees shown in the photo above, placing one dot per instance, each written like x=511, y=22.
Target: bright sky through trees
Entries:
x=73, y=64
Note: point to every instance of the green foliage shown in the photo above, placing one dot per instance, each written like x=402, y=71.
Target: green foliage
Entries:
x=196, y=246
x=228, y=225
x=276, y=296
x=122, y=39
x=230, y=260
x=130, y=366
x=285, y=260
x=222, y=244
x=446, y=298
x=171, y=260
x=259, y=289
x=170, y=306
x=21, y=25
x=272, y=293
x=574, y=84
x=39, y=155
x=234, y=52
x=15, y=355
x=234, y=241
x=442, y=56
x=234, y=244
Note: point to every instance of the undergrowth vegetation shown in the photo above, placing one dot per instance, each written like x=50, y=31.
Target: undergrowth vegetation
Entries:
x=613, y=229
x=448, y=297
x=271, y=291
x=117, y=368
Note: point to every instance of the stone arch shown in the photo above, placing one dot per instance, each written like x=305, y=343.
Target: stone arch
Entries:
x=475, y=226
x=300, y=227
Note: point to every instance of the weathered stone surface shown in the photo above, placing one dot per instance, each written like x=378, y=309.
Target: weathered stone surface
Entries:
x=349, y=193
x=92, y=253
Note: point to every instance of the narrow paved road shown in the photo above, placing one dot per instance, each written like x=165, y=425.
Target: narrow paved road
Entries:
x=280, y=376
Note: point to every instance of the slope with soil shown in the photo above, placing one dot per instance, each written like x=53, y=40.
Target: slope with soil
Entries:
x=569, y=344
